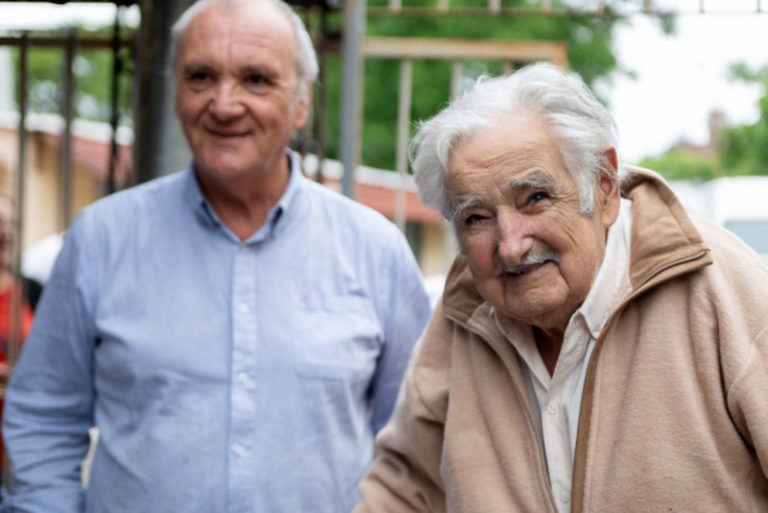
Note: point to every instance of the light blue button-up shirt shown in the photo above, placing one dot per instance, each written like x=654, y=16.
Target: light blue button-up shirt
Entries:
x=224, y=376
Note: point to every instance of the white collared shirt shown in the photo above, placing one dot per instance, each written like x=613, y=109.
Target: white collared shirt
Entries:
x=556, y=400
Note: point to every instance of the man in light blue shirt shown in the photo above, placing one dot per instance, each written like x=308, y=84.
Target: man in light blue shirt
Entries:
x=237, y=332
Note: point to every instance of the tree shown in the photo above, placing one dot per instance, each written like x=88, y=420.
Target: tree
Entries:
x=590, y=54
x=744, y=148
x=680, y=164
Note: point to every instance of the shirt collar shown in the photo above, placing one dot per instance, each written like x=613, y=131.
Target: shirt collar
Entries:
x=205, y=212
x=602, y=295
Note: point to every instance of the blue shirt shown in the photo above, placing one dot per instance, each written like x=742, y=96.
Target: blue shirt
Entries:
x=224, y=376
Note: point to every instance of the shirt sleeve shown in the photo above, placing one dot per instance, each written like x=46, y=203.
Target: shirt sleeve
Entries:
x=408, y=312
x=49, y=402
x=405, y=477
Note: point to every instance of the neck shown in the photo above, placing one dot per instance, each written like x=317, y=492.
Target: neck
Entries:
x=243, y=202
x=549, y=343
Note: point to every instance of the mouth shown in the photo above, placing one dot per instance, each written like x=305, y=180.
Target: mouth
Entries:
x=522, y=270
x=226, y=134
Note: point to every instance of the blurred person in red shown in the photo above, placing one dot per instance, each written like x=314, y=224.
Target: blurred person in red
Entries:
x=9, y=285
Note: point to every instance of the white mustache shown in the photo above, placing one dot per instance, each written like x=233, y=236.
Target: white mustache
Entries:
x=528, y=261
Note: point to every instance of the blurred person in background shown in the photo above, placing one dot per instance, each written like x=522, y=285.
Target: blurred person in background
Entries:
x=27, y=289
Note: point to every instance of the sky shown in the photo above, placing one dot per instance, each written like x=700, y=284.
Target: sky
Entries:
x=679, y=80
x=682, y=78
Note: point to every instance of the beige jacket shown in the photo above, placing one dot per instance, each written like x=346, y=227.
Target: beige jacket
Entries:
x=674, y=416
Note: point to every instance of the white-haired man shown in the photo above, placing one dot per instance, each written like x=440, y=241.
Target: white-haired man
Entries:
x=596, y=349
x=237, y=332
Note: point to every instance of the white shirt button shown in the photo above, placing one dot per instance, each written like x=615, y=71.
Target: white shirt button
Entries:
x=552, y=409
x=242, y=308
x=565, y=497
x=238, y=450
x=242, y=378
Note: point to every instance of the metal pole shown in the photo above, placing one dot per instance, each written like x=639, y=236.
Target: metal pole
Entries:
x=403, y=125
x=456, y=72
x=117, y=68
x=65, y=164
x=14, y=325
x=159, y=147
x=351, y=92
x=320, y=96
x=14, y=342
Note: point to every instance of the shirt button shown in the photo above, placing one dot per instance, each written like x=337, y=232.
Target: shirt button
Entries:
x=242, y=308
x=552, y=409
x=238, y=450
x=565, y=497
x=242, y=378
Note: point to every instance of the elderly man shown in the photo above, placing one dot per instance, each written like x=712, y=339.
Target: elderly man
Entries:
x=596, y=349
x=237, y=332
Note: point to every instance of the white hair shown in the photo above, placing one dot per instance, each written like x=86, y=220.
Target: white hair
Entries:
x=582, y=126
x=306, y=59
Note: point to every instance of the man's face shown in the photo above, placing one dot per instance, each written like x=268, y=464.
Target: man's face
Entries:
x=531, y=252
x=236, y=89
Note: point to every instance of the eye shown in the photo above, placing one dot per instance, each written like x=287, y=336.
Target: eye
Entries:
x=198, y=77
x=255, y=79
x=537, y=197
x=474, y=219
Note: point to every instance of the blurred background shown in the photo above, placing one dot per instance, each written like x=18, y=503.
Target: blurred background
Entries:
x=86, y=101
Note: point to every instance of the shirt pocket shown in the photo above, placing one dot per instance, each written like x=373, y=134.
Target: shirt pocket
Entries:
x=338, y=339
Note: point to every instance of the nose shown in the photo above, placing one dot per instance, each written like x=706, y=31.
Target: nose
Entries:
x=513, y=238
x=226, y=103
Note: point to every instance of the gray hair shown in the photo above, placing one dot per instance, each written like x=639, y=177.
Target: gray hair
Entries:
x=306, y=60
x=582, y=126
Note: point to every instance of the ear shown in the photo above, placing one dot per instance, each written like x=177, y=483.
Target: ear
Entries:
x=302, y=109
x=610, y=195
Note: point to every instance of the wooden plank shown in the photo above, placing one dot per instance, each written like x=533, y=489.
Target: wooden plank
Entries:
x=463, y=49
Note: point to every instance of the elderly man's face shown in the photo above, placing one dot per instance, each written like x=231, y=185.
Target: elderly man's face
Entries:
x=236, y=88
x=531, y=252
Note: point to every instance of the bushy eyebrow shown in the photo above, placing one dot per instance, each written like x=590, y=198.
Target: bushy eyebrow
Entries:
x=459, y=209
x=194, y=67
x=533, y=180
x=264, y=71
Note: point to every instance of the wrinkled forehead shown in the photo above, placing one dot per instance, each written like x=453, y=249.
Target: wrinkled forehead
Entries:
x=230, y=24
x=511, y=146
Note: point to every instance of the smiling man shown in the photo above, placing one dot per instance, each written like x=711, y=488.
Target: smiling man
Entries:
x=236, y=331
x=596, y=349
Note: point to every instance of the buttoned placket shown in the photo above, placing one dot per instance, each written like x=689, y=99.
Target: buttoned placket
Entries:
x=557, y=416
x=243, y=395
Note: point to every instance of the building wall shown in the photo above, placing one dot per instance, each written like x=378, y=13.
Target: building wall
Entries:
x=41, y=214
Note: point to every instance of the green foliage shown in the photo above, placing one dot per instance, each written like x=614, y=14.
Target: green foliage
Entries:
x=92, y=70
x=590, y=54
x=679, y=164
x=744, y=148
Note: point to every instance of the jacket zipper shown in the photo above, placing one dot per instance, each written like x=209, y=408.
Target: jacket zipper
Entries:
x=578, y=505
x=523, y=398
